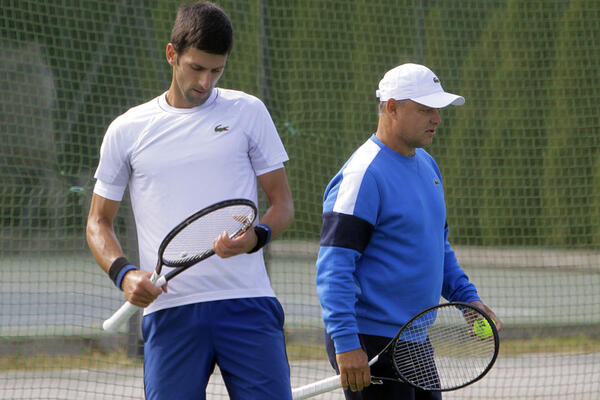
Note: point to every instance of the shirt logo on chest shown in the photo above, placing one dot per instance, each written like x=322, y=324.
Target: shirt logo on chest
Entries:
x=220, y=128
x=436, y=182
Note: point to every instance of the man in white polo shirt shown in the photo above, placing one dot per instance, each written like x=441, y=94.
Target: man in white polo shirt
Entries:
x=182, y=151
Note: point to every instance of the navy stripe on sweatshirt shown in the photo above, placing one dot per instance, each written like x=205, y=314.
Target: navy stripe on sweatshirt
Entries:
x=345, y=230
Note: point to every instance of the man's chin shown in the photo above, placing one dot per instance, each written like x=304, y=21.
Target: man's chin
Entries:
x=197, y=98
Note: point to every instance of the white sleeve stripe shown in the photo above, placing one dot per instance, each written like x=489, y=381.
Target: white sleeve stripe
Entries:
x=352, y=177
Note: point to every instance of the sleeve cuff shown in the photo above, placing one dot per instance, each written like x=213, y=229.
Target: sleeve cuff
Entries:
x=108, y=191
x=346, y=343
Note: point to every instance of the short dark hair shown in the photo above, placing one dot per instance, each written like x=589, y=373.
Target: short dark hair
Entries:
x=204, y=26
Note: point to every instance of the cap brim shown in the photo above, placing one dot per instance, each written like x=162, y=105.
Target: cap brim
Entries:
x=440, y=100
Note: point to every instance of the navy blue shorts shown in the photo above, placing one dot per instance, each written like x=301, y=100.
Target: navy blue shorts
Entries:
x=244, y=337
x=388, y=390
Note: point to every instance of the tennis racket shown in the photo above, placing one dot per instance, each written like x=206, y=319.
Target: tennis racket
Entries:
x=442, y=348
x=191, y=242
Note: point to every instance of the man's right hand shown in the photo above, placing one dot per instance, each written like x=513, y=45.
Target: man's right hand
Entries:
x=138, y=288
x=354, y=369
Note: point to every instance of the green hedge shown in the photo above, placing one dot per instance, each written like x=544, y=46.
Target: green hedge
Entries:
x=520, y=160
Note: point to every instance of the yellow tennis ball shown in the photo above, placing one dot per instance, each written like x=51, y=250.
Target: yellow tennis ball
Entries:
x=482, y=328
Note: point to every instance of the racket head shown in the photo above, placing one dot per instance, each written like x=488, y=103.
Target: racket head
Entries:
x=192, y=240
x=438, y=349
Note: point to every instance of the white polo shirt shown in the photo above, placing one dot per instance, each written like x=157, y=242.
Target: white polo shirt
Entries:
x=177, y=161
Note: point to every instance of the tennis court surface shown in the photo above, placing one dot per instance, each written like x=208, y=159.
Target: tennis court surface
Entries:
x=550, y=342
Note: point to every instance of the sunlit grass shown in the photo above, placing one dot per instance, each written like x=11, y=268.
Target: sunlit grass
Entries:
x=296, y=350
x=571, y=344
x=306, y=351
x=90, y=360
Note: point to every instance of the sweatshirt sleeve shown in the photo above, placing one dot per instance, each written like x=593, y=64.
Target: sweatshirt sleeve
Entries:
x=345, y=234
x=456, y=285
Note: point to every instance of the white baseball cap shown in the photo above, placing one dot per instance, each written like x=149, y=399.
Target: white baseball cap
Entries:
x=417, y=83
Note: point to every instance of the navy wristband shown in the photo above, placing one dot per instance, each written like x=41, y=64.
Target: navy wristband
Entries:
x=118, y=269
x=263, y=233
x=122, y=273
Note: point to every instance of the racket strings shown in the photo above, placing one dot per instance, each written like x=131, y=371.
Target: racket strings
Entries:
x=440, y=350
x=196, y=238
x=416, y=364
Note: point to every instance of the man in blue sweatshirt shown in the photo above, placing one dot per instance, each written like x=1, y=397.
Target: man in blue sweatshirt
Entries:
x=384, y=253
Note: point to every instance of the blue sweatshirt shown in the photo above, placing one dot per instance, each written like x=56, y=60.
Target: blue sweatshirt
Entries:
x=384, y=253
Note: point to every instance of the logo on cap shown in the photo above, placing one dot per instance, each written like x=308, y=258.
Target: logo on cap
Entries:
x=436, y=80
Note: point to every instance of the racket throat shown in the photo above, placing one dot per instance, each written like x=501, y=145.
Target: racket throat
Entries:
x=375, y=380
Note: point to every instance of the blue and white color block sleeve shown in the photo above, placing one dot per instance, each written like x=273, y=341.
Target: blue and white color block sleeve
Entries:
x=350, y=212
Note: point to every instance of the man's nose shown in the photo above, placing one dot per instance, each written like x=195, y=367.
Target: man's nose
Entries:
x=436, y=118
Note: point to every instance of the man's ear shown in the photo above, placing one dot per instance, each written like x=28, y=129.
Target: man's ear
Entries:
x=171, y=54
x=391, y=106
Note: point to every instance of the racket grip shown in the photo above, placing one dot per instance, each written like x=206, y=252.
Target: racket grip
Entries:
x=125, y=312
x=158, y=281
x=121, y=316
x=315, y=388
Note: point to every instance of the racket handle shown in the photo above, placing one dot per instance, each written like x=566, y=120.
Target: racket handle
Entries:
x=322, y=386
x=160, y=281
x=315, y=388
x=121, y=316
x=125, y=312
